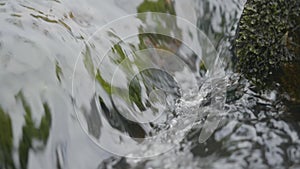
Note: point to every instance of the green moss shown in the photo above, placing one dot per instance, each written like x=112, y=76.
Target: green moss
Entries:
x=135, y=94
x=117, y=49
x=43, y=130
x=6, y=141
x=58, y=71
x=106, y=86
x=163, y=6
x=264, y=30
x=88, y=61
x=30, y=132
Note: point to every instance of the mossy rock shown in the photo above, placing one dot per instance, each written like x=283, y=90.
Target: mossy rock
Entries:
x=268, y=44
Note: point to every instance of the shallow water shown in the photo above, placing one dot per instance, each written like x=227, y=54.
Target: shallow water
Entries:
x=54, y=81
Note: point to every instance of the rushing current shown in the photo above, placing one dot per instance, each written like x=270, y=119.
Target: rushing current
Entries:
x=107, y=84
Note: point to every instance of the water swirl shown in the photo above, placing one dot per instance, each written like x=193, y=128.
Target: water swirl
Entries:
x=149, y=85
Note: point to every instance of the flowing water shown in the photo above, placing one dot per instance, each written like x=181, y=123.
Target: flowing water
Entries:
x=91, y=84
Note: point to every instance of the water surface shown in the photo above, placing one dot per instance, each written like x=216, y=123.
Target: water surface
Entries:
x=52, y=89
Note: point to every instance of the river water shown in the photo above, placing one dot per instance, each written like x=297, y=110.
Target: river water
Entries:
x=67, y=70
